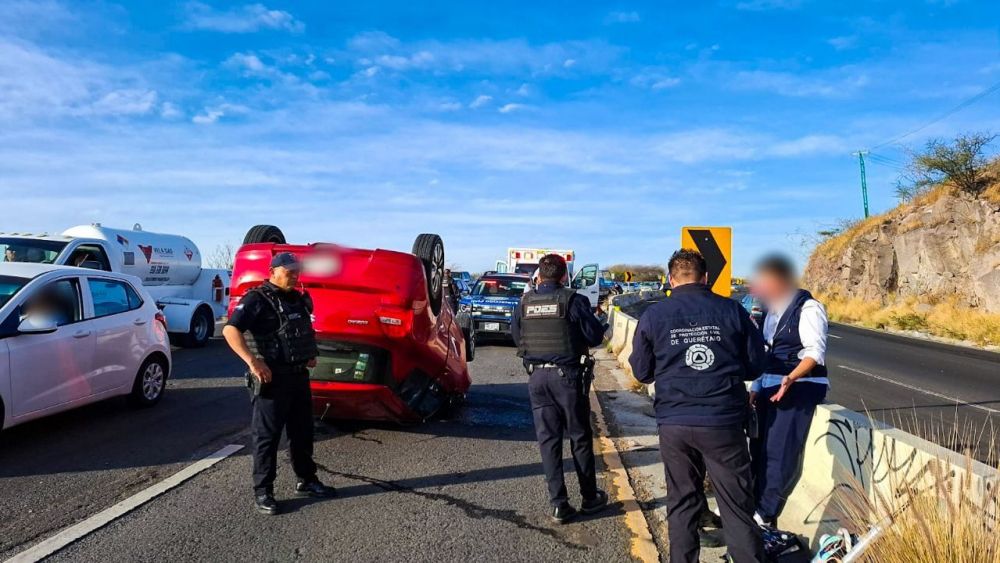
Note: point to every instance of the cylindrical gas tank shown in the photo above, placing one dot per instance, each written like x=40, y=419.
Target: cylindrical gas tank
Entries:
x=155, y=258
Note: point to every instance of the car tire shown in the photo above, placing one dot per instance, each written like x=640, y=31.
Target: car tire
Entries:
x=470, y=346
x=202, y=328
x=150, y=383
x=430, y=249
x=264, y=233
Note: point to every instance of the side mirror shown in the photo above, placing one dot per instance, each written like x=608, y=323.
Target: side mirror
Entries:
x=37, y=324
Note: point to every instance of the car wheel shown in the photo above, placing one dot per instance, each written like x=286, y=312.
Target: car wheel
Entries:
x=470, y=346
x=264, y=233
x=453, y=407
x=202, y=327
x=430, y=249
x=150, y=383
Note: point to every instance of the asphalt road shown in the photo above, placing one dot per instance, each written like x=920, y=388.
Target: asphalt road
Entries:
x=947, y=394
x=455, y=490
x=944, y=393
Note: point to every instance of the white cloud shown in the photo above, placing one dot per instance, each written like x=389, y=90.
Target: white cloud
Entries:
x=247, y=62
x=481, y=101
x=124, y=102
x=843, y=42
x=509, y=56
x=763, y=5
x=212, y=114
x=622, y=17
x=510, y=108
x=841, y=82
x=241, y=19
x=524, y=90
x=654, y=78
x=170, y=110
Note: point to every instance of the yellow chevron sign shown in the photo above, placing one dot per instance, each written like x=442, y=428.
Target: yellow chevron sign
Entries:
x=716, y=245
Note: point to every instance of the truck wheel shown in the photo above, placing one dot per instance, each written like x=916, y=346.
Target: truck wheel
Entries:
x=430, y=249
x=202, y=327
x=150, y=383
x=264, y=233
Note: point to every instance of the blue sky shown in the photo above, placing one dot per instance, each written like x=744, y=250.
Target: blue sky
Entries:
x=598, y=126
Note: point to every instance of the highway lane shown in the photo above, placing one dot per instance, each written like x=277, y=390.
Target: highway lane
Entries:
x=948, y=394
x=450, y=490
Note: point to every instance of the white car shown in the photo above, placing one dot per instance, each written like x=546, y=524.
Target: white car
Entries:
x=71, y=336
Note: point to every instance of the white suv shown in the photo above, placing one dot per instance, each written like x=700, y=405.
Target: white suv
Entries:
x=72, y=336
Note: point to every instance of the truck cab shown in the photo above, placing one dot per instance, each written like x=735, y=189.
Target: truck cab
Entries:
x=190, y=297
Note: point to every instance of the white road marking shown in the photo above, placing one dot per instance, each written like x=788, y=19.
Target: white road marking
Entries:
x=80, y=530
x=922, y=390
x=833, y=335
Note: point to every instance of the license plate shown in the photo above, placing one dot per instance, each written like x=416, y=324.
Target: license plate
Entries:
x=495, y=327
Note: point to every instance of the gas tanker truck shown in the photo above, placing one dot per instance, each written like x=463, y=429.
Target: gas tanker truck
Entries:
x=190, y=296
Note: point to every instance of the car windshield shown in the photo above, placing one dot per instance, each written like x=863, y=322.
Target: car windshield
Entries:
x=9, y=286
x=14, y=249
x=500, y=287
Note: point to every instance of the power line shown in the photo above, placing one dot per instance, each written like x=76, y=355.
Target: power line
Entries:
x=964, y=104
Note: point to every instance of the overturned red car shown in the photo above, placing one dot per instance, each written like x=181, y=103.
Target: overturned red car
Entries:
x=390, y=348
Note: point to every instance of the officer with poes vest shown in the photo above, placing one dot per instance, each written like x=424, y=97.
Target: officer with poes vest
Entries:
x=554, y=329
x=280, y=349
x=698, y=349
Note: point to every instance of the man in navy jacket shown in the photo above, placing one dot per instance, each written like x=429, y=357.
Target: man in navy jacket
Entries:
x=698, y=348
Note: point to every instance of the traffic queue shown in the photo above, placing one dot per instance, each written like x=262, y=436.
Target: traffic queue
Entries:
x=331, y=332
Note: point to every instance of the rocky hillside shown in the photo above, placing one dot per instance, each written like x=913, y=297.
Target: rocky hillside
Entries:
x=942, y=246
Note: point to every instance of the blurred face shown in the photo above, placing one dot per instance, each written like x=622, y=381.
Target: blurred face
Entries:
x=284, y=278
x=770, y=287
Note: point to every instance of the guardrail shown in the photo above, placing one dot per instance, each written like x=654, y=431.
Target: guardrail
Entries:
x=848, y=454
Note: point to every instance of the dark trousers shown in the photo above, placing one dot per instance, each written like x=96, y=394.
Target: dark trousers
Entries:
x=560, y=406
x=777, y=455
x=687, y=452
x=285, y=404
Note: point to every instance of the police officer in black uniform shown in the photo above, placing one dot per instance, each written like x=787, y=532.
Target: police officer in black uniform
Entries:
x=279, y=351
x=698, y=348
x=554, y=329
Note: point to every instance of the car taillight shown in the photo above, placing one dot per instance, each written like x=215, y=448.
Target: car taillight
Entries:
x=162, y=318
x=395, y=322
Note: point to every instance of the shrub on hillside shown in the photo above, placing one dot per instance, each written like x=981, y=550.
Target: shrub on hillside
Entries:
x=961, y=164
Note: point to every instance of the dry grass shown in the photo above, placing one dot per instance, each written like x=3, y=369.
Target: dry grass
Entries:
x=946, y=318
x=942, y=517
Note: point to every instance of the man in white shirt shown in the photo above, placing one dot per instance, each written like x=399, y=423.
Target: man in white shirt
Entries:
x=794, y=382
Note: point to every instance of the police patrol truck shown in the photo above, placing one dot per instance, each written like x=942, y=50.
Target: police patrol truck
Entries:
x=190, y=296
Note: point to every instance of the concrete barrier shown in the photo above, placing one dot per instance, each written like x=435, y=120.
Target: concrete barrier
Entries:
x=848, y=455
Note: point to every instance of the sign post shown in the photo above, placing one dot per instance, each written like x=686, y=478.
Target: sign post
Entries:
x=628, y=276
x=716, y=245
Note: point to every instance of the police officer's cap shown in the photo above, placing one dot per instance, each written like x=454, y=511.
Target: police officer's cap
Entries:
x=286, y=260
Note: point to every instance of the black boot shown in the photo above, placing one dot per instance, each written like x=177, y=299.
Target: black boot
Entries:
x=266, y=504
x=596, y=504
x=314, y=489
x=563, y=513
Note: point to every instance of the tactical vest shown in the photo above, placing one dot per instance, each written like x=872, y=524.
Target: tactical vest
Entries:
x=545, y=329
x=783, y=354
x=294, y=341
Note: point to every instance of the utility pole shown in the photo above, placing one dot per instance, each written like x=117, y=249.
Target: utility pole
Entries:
x=864, y=182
